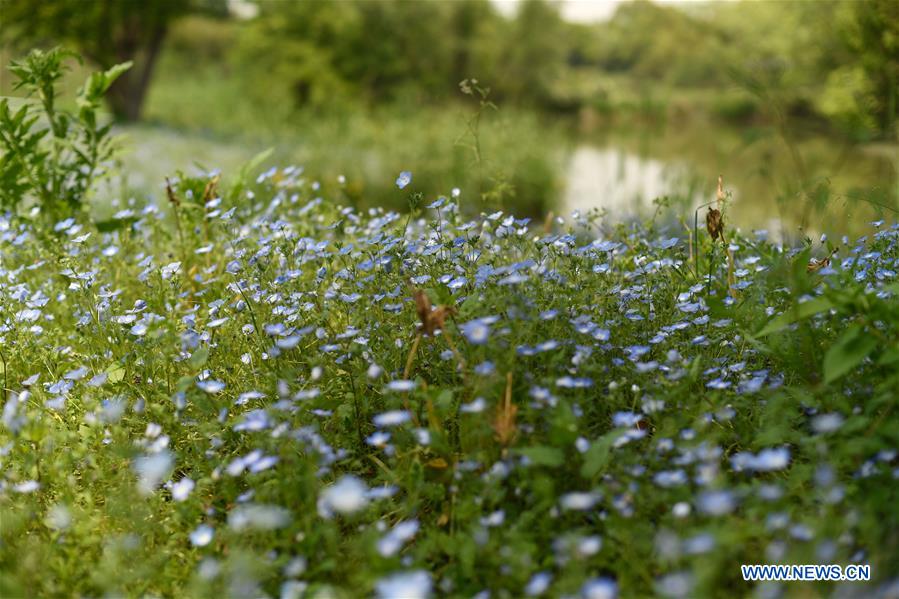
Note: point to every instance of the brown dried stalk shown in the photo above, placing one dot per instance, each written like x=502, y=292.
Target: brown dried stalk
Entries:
x=210, y=191
x=504, y=421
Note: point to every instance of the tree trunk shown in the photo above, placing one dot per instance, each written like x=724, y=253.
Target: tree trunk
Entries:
x=127, y=93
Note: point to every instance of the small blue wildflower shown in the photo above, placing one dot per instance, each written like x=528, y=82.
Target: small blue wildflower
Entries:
x=485, y=368
x=401, y=385
x=211, y=386
x=404, y=179
x=476, y=331
x=201, y=535
x=392, y=418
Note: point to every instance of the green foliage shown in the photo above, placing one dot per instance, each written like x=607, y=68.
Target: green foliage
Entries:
x=834, y=60
x=590, y=407
x=853, y=346
x=326, y=54
x=49, y=155
x=870, y=77
x=172, y=343
x=107, y=33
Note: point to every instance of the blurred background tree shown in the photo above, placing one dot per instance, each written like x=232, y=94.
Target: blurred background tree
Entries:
x=834, y=60
x=107, y=32
x=376, y=84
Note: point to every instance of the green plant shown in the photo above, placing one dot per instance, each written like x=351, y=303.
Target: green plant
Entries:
x=50, y=155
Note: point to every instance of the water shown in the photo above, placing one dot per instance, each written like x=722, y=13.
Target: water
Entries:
x=620, y=182
x=809, y=186
x=816, y=185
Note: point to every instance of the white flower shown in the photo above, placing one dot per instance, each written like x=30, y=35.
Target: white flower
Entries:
x=392, y=418
x=182, y=488
x=169, y=270
x=152, y=470
x=405, y=585
x=404, y=179
x=346, y=496
x=258, y=516
x=599, y=588
x=578, y=501
x=202, y=535
x=401, y=385
x=390, y=543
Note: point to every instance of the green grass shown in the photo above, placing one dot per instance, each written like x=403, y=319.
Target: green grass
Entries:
x=519, y=158
x=599, y=406
x=257, y=382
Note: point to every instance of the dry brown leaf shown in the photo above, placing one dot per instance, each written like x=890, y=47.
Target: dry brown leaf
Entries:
x=548, y=223
x=814, y=265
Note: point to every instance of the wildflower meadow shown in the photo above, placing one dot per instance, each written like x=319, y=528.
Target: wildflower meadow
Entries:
x=244, y=386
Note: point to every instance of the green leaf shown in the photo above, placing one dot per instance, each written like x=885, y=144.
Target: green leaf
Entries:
x=542, y=455
x=199, y=357
x=115, y=72
x=890, y=356
x=97, y=84
x=115, y=373
x=185, y=382
x=851, y=348
x=796, y=313
x=114, y=224
x=253, y=163
x=597, y=457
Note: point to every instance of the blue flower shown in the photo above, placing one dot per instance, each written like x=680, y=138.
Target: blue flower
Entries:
x=485, y=368
x=401, y=385
x=600, y=588
x=211, y=386
x=404, y=179
x=476, y=331
x=201, y=535
x=391, y=418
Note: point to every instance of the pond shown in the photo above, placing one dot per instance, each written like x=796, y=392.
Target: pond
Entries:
x=808, y=186
x=790, y=187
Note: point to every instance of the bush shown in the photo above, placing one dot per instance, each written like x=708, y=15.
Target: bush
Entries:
x=52, y=157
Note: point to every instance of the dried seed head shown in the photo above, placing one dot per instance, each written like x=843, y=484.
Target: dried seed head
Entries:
x=438, y=316
x=432, y=319
x=814, y=265
x=173, y=198
x=714, y=223
x=423, y=307
x=210, y=191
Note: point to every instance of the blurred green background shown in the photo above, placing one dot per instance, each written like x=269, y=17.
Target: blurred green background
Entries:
x=566, y=105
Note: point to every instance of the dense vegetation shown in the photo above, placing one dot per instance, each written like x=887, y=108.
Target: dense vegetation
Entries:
x=830, y=60
x=254, y=388
x=377, y=84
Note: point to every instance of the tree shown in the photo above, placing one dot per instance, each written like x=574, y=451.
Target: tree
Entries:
x=326, y=52
x=107, y=32
x=534, y=53
x=873, y=40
